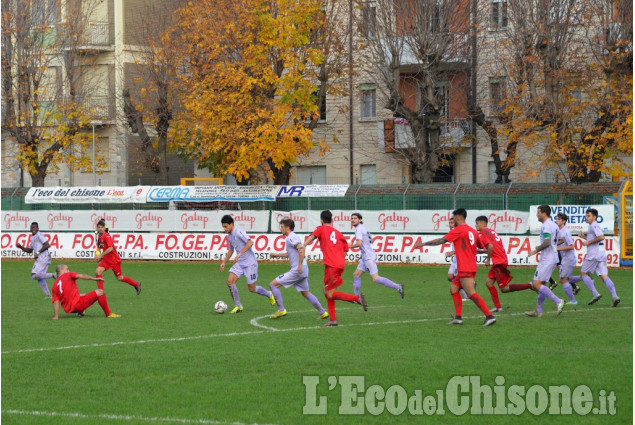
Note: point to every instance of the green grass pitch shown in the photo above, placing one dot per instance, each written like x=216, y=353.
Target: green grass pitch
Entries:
x=172, y=360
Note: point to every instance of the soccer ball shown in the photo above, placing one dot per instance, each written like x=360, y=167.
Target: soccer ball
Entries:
x=220, y=307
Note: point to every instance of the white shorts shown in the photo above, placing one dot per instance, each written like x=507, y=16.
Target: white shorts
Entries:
x=369, y=266
x=545, y=269
x=293, y=278
x=41, y=267
x=452, y=269
x=594, y=266
x=250, y=271
x=566, y=270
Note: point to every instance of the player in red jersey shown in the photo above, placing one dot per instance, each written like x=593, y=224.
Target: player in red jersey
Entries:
x=465, y=239
x=334, y=247
x=109, y=260
x=497, y=257
x=66, y=293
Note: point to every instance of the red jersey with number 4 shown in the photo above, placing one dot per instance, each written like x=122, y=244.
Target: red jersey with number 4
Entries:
x=487, y=236
x=65, y=291
x=333, y=245
x=464, y=238
x=105, y=241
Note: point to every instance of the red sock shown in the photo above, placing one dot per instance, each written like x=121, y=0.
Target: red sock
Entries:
x=129, y=281
x=103, y=302
x=458, y=303
x=330, y=303
x=345, y=297
x=480, y=303
x=519, y=287
x=494, y=292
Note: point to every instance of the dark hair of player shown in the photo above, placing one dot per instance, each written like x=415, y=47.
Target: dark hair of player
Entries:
x=326, y=216
x=35, y=224
x=358, y=215
x=545, y=209
x=288, y=222
x=562, y=216
x=482, y=218
x=227, y=219
x=461, y=212
x=593, y=211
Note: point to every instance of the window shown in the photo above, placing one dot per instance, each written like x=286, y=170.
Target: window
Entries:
x=369, y=20
x=368, y=174
x=44, y=12
x=496, y=95
x=312, y=175
x=445, y=172
x=499, y=14
x=368, y=108
x=492, y=171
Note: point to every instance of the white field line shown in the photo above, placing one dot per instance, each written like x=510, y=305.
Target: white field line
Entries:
x=303, y=328
x=124, y=418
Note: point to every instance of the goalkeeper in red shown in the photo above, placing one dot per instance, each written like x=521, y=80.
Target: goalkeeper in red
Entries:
x=465, y=240
x=334, y=247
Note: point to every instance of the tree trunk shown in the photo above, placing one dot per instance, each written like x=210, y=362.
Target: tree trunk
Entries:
x=503, y=167
x=281, y=176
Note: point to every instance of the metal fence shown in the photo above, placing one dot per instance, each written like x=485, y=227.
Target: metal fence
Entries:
x=513, y=196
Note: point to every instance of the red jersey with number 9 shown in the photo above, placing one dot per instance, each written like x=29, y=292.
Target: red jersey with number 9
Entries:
x=333, y=245
x=464, y=238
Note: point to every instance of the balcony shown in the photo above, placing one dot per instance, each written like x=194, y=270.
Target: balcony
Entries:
x=96, y=37
x=100, y=107
x=453, y=133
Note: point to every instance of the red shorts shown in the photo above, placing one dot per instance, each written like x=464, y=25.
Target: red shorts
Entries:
x=114, y=266
x=500, y=274
x=332, y=277
x=457, y=278
x=85, y=301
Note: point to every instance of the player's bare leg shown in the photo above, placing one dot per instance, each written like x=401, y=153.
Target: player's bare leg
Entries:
x=467, y=283
x=233, y=290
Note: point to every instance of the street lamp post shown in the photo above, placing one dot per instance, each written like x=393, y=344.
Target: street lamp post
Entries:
x=94, y=123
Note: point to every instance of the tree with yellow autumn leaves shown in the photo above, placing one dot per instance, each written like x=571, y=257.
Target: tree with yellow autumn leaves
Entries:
x=568, y=88
x=46, y=108
x=248, y=71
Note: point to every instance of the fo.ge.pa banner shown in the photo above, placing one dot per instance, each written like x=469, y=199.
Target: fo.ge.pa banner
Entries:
x=405, y=221
x=214, y=246
x=576, y=217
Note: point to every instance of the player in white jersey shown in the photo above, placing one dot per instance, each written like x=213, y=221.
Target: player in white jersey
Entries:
x=40, y=247
x=368, y=262
x=595, y=261
x=566, y=251
x=548, y=261
x=298, y=276
x=245, y=263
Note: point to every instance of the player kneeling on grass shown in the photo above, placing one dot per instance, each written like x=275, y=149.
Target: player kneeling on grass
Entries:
x=464, y=238
x=298, y=276
x=245, y=263
x=66, y=293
